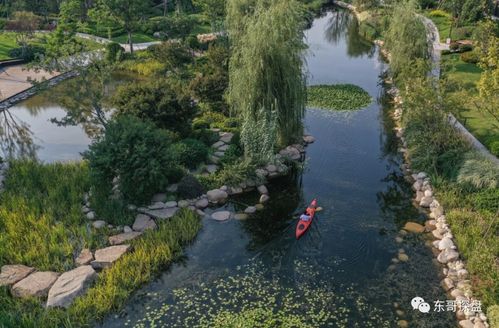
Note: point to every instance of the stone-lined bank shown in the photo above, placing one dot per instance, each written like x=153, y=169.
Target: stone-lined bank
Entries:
x=456, y=278
x=60, y=290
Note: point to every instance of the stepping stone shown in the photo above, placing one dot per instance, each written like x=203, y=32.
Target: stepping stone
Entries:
x=250, y=210
x=127, y=229
x=35, y=285
x=213, y=159
x=221, y=216
x=218, y=144
x=84, y=258
x=259, y=207
x=183, y=203
x=172, y=188
x=99, y=224
x=219, y=154
x=143, y=222
x=171, y=204
x=122, y=238
x=271, y=168
x=264, y=198
x=414, y=227
x=105, y=257
x=226, y=137
x=263, y=190
x=202, y=203
x=156, y=206
x=308, y=139
x=223, y=148
x=70, y=285
x=241, y=216
x=91, y=215
x=164, y=213
x=161, y=197
x=217, y=195
x=10, y=274
x=211, y=168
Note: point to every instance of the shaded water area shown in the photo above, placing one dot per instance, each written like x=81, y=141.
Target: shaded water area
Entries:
x=340, y=273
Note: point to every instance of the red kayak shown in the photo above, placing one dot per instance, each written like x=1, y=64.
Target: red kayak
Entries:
x=302, y=226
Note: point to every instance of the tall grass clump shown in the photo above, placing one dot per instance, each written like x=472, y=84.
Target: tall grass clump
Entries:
x=151, y=253
x=478, y=172
x=40, y=214
x=267, y=83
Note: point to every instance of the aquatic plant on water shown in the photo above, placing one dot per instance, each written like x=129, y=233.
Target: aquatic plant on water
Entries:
x=338, y=97
x=254, y=296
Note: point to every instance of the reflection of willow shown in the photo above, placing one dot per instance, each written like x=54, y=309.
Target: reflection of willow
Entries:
x=15, y=137
x=343, y=21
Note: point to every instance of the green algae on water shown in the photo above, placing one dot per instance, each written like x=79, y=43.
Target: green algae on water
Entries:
x=338, y=97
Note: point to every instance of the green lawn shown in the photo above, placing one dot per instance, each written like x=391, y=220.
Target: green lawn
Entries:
x=136, y=38
x=443, y=25
x=481, y=124
x=7, y=43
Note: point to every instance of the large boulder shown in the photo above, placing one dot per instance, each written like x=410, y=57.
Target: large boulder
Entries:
x=105, y=257
x=84, y=258
x=35, y=285
x=70, y=285
x=122, y=238
x=290, y=153
x=217, y=195
x=143, y=222
x=10, y=274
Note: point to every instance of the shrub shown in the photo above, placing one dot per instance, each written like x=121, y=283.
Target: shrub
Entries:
x=29, y=53
x=171, y=54
x=210, y=88
x=232, y=155
x=190, y=187
x=478, y=172
x=206, y=136
x=493, y=314
x=465, y=47
x=189, y=152
x=439, y=13
x=114, y=52
x=470, y=57
x=454, y=46
x=177, y=26
x=161, y=102
x=446, y=52
x=136, y=152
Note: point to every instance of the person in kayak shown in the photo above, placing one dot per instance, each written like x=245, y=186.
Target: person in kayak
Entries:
x=305, y=216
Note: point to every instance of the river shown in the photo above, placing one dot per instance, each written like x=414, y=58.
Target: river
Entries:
x=343, y=272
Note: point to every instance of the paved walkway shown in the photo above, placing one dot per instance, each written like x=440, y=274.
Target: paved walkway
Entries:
x=15, y=79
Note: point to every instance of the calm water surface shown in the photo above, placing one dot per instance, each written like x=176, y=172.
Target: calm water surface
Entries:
x=340, y=274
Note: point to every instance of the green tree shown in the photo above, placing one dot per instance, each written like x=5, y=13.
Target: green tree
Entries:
x=267, y=84
x=406, y=38
x=127, y=13
x=24, y=24
x=161, y=102
x=488, y=86
x=214, y=9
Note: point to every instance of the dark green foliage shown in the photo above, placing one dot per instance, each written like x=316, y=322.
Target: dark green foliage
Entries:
x=210, y=89
x=161, y=102
x=494, y=148
x=114, y=52
x=190, y=187
x=136, y=152
x=338, y=97
x=470, y=57
x=172, y=54
x=189, y=152
x=176, y=26
x=29, y=53
x=232, y=155
x=206, y=136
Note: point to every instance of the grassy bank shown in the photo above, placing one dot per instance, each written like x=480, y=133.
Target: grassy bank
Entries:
x=41, y=225
x=464, y=76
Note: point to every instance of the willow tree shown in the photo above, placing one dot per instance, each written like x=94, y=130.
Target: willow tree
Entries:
x=267, y=84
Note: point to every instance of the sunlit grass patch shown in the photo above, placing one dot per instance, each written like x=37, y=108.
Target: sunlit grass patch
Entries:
x=338, y=97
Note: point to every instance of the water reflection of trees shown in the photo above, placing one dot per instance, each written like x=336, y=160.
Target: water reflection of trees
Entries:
x=343, y=23
x=16, y=138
